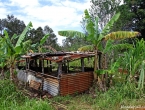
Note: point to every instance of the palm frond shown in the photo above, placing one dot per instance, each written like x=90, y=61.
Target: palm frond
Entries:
x=121, y=35
x=70, y=33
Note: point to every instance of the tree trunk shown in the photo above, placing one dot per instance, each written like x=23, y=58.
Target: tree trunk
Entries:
x=11, y=73
x=2, y=73
x=97, y=78
x=95, y=64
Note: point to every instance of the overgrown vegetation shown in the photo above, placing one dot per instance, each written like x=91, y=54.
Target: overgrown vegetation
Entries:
x=13, y=99
x=119, y=95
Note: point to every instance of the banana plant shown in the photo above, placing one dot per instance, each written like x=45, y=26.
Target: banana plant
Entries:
x=96, y=37
x=93, y=34
x=40, y=44
x=12, y=52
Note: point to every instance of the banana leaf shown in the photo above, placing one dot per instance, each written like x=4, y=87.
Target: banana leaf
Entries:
x=42, y=41
x=109, y=25
x=22, y=36
x=70, y=33
x=121, y=35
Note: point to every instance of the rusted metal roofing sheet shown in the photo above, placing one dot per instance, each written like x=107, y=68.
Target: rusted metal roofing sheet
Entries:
x=60, y=56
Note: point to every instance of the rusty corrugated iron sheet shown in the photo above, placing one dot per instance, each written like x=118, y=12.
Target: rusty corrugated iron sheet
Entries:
x=67, y=84
x=59, y=57
x=51, y=85
x=75, y=83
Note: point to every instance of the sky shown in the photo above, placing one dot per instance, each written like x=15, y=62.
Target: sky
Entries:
x=57, y=14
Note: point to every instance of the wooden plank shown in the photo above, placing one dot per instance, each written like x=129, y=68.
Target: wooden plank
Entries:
x=35, y=85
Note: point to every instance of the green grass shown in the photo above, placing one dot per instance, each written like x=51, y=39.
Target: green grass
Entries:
x=113, y=99
x=120, y=95
x=13, y=99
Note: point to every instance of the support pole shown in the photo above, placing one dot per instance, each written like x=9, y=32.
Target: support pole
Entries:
x=82, y=64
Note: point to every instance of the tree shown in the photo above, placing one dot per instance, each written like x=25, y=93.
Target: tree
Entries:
x=133, y=16
x=104, y=9
x=72, y=44
x=137, y=8
x=37, y=35
x=11, y=52
x=52, y=40
x=1, y=26
x=13, y=25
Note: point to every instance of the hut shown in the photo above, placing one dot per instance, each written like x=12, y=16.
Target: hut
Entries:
x=56, y=74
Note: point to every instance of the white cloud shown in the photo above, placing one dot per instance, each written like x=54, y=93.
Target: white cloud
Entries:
x=58, y=14
x=24, y=3
x=3, y=12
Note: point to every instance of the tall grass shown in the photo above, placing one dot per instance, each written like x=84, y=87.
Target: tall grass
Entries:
x=13, y=99
x=117, y=96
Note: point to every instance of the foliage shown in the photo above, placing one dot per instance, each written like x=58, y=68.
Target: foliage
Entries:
x=52, y=39
x=38, y=34
x=86, y=48
x=133, y=61
x=117, y=96
x=93, y=33
x=11, y=52
x=15, y=27
x=42, y=41
x=12, y=98
x=121, y=35
x=12, y=25
x=113, y=99
x=73, y=43
x=104, y=10
x=133, y=16
x=141, y=77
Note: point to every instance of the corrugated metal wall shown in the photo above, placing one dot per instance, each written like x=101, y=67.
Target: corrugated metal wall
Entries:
x=51, y=85
x=67, y=84
x=75, y=83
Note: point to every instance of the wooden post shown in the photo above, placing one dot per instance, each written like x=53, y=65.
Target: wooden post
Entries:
x=59, y=69
x=47, y=67
x=67, y=67
x=50, y=66
x=28, y=63
x=82, y=64
x=42, y=64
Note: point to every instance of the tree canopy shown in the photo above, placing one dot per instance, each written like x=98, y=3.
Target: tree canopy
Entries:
x=132, y=16
x=15, y=26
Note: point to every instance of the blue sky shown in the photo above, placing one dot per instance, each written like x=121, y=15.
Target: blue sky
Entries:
x=58, y=14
